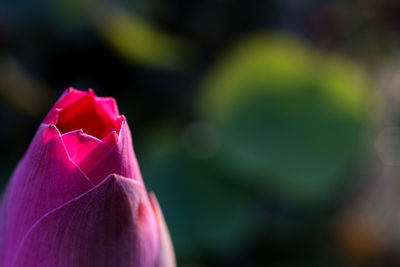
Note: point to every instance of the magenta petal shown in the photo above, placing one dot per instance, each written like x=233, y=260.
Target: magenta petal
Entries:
x=83, y=149
x=112, y=225
x=44, y=179
x=109, y=105
x=166, y=256
x=76, y=110
x=111, y=139
x=68, y=97
x=86, y=114
x=120, y=159
x=73, y=96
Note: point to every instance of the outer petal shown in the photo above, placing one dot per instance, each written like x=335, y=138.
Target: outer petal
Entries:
x=111, y=225
x=120, y=159
x=44, y=179
x=166, y=256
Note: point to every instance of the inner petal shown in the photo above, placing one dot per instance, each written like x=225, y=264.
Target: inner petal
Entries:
x=84, y=150
x=86, y=114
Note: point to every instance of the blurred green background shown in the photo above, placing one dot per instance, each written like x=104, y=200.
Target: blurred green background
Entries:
x=269, y=130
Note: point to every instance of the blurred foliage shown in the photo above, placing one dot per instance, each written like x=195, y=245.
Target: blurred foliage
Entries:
x=137, y=41
x=202, y=216
x=279, y=127
x=28, y=95
x=291, y=119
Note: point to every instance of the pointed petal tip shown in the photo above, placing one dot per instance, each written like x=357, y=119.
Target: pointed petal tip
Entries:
x=52, y=116
x=50, y=132
x=70, y=89
x=52, y=127
x=82, y=136
x=111, y=139
x=121, y=180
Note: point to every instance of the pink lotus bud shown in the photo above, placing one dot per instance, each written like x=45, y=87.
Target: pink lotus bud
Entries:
x=77, y=198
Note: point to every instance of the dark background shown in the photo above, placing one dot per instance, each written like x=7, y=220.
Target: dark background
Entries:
x=267, y=129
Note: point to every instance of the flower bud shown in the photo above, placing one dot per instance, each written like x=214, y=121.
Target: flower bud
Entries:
x=77, y=197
